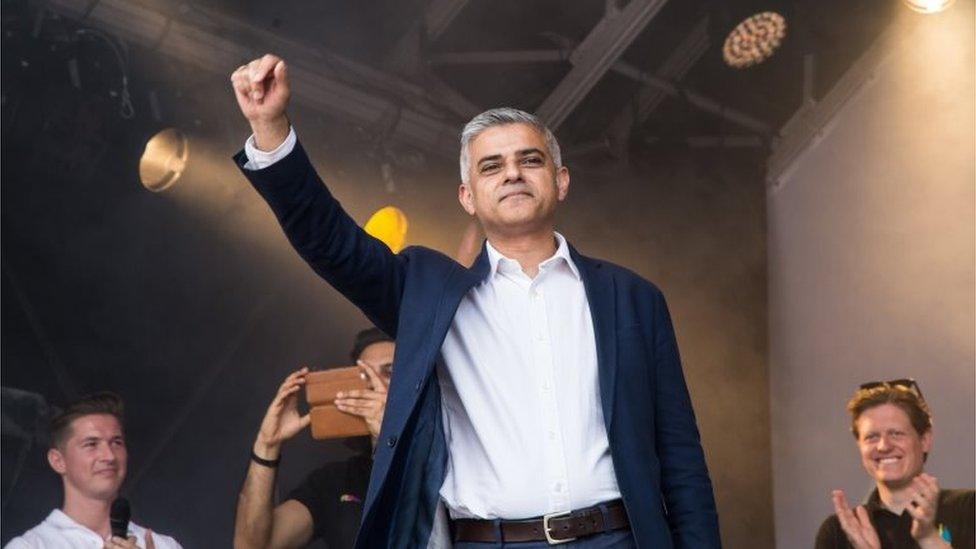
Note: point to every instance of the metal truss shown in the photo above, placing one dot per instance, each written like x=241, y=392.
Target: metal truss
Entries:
x=321, y=80
x=649, y=96
x=655, y=86
x=594, y=56
x=810, y=123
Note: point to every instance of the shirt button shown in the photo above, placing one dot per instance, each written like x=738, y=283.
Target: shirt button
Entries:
x=558, y=487
x=391, y=442
x=552, y=435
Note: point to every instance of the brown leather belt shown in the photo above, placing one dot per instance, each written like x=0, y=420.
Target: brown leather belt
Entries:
x=554, y=528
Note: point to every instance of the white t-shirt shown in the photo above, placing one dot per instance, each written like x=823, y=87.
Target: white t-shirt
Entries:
x=59, y=531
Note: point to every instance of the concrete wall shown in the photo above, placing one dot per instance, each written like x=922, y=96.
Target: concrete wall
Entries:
x=871, y=255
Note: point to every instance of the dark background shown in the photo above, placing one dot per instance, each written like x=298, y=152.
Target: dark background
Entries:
x=191, y=304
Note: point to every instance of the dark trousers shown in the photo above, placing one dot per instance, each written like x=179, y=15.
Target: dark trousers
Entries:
x=618, y=539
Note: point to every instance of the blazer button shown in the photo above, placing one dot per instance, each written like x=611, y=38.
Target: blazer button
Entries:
x=391, y=442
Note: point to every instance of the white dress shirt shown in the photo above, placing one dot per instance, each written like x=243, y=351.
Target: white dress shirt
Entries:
x=521, y=401
x=59, y=531
x=258, y=159
x=522, y=412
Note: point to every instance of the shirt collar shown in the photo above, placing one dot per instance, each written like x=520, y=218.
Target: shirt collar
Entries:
x=873, y=501
x=498, y=261
x=59, y=519
x=874, y=504
x=62, y=520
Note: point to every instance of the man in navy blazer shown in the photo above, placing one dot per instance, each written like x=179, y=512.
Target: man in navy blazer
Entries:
x=537, y=397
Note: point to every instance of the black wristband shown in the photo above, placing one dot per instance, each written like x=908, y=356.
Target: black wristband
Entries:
x=266, y=462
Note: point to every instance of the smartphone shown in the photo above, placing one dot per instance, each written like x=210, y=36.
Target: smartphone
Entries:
x=320, y=393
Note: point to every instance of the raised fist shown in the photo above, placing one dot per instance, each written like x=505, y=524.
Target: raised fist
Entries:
x=262, y=92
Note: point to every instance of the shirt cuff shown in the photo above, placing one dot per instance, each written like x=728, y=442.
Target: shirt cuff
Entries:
x=258, y=159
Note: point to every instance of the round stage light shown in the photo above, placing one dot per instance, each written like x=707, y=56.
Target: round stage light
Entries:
x=163, y=160
x=929, y=6
x=389, y=225
x=754, y=40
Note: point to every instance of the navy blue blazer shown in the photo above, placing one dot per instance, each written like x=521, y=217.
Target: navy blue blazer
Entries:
x=413, y=295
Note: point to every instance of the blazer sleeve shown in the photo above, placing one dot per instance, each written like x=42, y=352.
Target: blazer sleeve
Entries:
x=685, y=484
x=359, y=266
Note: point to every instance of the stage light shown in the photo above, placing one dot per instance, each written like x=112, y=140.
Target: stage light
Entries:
x=389, y=225
x=754, y=40
x=929, y=6
x=163, y=160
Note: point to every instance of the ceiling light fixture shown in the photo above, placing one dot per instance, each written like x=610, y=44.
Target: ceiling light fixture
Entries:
x=928, y=6
x=754, y=40
x=163, y=160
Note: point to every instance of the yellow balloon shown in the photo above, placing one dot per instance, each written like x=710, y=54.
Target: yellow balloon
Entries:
x=389, y=225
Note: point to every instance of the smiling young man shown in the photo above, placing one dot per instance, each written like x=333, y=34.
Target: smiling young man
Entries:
x=88, y=451
x=893, y=428
x=537, y=395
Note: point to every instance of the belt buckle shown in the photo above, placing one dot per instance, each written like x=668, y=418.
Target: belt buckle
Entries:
x=545, y=528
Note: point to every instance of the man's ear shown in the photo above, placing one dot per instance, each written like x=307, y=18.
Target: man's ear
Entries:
x=927, y=441
x=56, y=460
x=562, y=183
x=465, y=198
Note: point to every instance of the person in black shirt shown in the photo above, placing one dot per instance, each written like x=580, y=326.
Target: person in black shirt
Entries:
x=907, y=509
x=333, y=496
x=329, y=503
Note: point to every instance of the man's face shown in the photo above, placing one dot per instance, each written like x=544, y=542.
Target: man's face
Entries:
x=92, y=461
x=513, y=186
x=380, y=357
x=892, y=451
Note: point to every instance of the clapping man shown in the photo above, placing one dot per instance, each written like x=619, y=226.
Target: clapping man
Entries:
x=907, y=509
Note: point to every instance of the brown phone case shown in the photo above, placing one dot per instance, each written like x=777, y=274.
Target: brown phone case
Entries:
x=320, y=391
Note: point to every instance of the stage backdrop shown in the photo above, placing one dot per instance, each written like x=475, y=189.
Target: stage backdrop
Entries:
x=192, y=305
x=871, y=242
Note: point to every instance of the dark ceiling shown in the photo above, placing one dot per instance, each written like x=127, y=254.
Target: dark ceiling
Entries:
x=834, y=32
x=417, y=55
x=424, y=43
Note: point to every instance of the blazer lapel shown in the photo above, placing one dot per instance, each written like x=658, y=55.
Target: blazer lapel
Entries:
x=600, y=292
x=458, y=283
x=481, y=266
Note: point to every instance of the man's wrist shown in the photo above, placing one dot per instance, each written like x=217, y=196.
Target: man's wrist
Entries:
x=933, y=541
x=266, y=451
x=270, y=134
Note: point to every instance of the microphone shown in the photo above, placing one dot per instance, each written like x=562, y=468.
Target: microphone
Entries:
x=119, y=517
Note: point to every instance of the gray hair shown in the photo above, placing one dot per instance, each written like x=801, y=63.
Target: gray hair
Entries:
x=500, y=117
